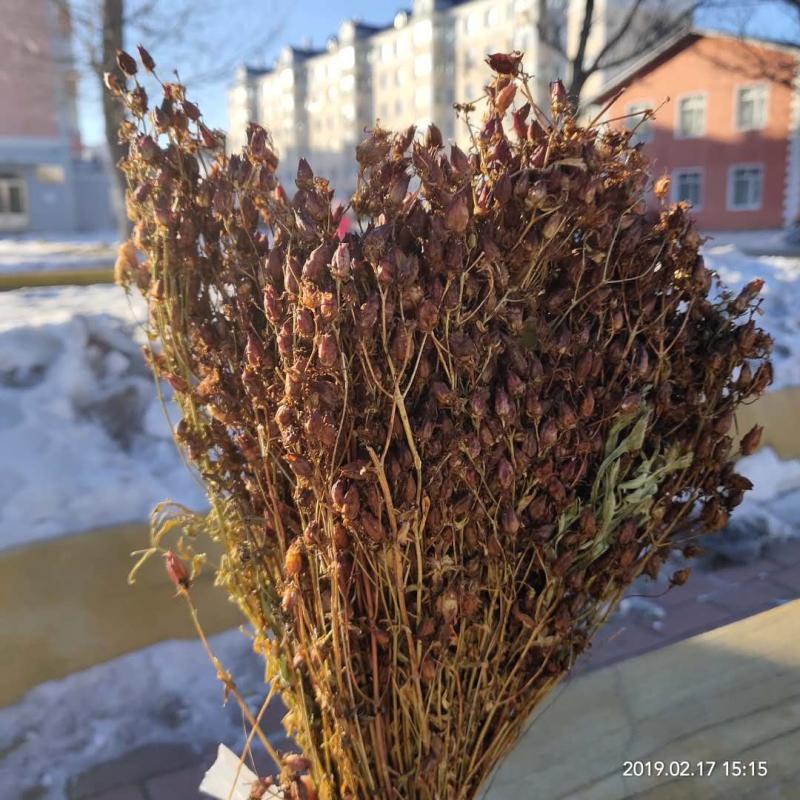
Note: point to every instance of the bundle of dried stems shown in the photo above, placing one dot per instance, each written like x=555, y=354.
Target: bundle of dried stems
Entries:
x=438, y=450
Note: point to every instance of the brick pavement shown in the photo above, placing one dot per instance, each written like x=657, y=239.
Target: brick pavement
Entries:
x=711, y=598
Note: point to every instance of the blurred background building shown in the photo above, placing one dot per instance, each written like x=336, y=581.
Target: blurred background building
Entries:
x=48, y=182
x=317, y=102
x=729, y=137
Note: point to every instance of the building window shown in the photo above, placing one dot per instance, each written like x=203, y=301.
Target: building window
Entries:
x=745, y=187
x=751, y=108
x=691, y=116
x=637, y=120
x=687, y=186
x=422, y=65
x=13, y=208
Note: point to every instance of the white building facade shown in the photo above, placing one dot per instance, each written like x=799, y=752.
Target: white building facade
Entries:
x=317, y=104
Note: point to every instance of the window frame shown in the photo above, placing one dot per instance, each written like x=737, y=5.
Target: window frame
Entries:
x=678, y=100
x=12, y=220
x=729, y=205
x=677, y=173
x=737, y=90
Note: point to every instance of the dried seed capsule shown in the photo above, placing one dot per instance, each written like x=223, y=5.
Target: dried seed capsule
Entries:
x=352, y=504
x=341, y=266
x=566, y=416
x=338, y=492
x=630, y=403
x=273, y=305
x=301, y=467
x=627, y=533
x=147, y=60
x=505, y=63
x=328, y=350
x=457, y=213
x=427, y=316
x=679, y=577
x=505, y=473
x=294, y=559
x=443, y=394
x=751, y=440
x=177, y=571
x=509, y=521
x=305, y=323
x=548, y=433
x=372, y=527
x=503, y=406
x=587, y=404
x=126, y=63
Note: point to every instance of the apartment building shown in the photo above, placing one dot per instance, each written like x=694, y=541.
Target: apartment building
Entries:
x=317, y=102
x=727, y=128
x=47, y=184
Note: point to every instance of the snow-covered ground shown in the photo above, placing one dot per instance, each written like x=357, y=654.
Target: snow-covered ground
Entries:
x=167, y=693
x=84, y=441
x=781, y=303
x=47, y=253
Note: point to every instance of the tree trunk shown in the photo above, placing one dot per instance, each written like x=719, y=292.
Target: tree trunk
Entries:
x=577, y=79
x=113, y=112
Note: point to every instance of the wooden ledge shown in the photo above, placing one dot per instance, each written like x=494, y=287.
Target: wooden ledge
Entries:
x=732, y=694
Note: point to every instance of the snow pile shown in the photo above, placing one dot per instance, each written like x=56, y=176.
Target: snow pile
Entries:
x=769, y=513
x=781, y=304
x=39, y=254
x=167, y=693
x=83, y=438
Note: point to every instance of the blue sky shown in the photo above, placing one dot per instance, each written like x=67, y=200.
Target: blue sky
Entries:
x=294, y=21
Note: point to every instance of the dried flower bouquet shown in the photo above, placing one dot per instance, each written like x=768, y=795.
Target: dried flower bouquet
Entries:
x=438, y=450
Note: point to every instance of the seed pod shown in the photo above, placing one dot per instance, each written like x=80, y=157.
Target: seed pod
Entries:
x=587, y=404
x=679, y=577
x=505, y=63
x=751, y=440
x=443, y=394
x=457, y=213
x=548, y=433
x=587, y=523
x=177, y=571
x=273, y=305
x=372, y=527
x=566, y=416
x=505, y=473
x=630, y=403
x=627, y=533
x=762, y=378
x=746, y=297
x=503, y=406
x=368, y=314
x=328, y=350
x=126, y=63
x=504, y=98
x=301, y=467
x=558, y=95
x=427, y=316
x=351, y=504
x=509, y=521
x=294, y=559
x=341, y=265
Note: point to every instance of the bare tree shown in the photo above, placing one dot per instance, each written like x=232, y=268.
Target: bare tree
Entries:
x=207, y=38
x=641, y=26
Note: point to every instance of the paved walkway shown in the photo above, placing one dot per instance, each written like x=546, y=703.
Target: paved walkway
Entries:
x=711, y=598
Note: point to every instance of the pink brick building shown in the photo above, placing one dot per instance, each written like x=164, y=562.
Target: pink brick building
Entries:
x=727, y=128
